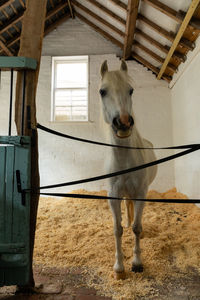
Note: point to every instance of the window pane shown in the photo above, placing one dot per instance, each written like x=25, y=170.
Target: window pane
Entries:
x=71, y=104
x=71, y=75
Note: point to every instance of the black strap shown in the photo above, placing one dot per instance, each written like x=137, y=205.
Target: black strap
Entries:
x=39, y=126
x=81, y=196
x=122, y=172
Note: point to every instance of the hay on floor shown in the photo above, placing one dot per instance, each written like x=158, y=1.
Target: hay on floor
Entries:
x=79, y=232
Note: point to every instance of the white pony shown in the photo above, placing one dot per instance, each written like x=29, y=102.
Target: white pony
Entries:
x=116, y=92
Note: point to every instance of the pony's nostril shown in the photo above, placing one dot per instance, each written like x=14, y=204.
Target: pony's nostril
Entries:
x=131, y=121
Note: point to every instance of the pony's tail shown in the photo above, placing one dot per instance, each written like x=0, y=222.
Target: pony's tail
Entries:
x=129, y=212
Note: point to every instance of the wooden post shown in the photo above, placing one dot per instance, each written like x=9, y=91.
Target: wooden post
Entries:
x=31, y=46
x=132, y=12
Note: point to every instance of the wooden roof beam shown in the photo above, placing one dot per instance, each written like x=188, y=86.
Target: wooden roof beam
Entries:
x=51, y=27
x=149, y=66
x=132, y=12
x=107, y=11
x=155, y=56
x=177, y=56
x=5, y=48
x=98, y=18
x=11, y=22
x=180, y=33
x=120, y=4
x=5, y=3
x=56, y=9
x=168, y=35
x=70, y=9
x=168, y=11
x=99, y=30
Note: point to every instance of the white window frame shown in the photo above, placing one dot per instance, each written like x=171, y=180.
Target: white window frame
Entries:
x=67, y=59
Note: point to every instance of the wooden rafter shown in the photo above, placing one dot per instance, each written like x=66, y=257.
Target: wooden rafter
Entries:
x=12, y=21
x=4, y=3
x=5, y=48
x=132, y=12
x=70, y=9
x=120, y=4
x=107, y=11
x=99, y=30
x=177, y=56
x=56, y=9
x=98, y=18
x=168, y=11
x=180, y=33
x=155, y=56
x=168, y=35
x=149, y=65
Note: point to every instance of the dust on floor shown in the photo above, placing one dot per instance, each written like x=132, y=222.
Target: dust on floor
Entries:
x=79, y=233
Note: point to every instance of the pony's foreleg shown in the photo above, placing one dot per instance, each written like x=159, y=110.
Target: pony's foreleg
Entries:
x=137, y=265
x=115, y=206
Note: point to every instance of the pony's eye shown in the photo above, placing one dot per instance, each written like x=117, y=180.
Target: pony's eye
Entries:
x=102, y=92
x=131, y=91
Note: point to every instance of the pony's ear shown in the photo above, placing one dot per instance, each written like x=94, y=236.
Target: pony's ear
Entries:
x=104, y=68
x=124, y=66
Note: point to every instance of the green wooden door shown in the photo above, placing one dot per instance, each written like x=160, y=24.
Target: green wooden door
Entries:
x=14, y=213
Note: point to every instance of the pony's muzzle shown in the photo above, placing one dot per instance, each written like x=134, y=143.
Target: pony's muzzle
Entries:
x=122, y=125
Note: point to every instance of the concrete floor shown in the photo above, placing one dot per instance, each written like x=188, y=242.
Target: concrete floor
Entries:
x=61, y=284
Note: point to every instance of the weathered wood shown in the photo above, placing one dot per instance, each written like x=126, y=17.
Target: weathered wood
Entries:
x=99, y=30
x=107, y=11
x=181, y=30
x=132, y=12
x=31, y=46
x=98, y=18
x=168, y=35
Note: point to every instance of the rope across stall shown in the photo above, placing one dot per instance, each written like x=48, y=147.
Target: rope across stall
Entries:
x=187, y=150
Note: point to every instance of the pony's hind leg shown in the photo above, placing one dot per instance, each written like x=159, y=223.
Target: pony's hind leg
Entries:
x=115, y=206
x=137, y=265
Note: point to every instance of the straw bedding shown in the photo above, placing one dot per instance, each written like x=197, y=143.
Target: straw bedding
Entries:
x=79, y=232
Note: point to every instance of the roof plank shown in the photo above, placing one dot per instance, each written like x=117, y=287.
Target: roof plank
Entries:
x=132, y=12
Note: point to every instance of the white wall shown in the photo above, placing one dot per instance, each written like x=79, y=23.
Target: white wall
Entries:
x=186, y=122
x=64, y=160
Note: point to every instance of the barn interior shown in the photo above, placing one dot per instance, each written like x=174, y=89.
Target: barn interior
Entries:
x=159, y=40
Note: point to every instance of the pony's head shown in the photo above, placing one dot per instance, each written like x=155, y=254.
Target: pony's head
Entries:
x=116, y=92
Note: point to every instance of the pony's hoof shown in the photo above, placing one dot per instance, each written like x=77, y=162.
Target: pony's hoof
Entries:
x=120, y=275
x=137, y=268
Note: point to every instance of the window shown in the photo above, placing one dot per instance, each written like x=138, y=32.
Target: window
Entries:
x=70, y=88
